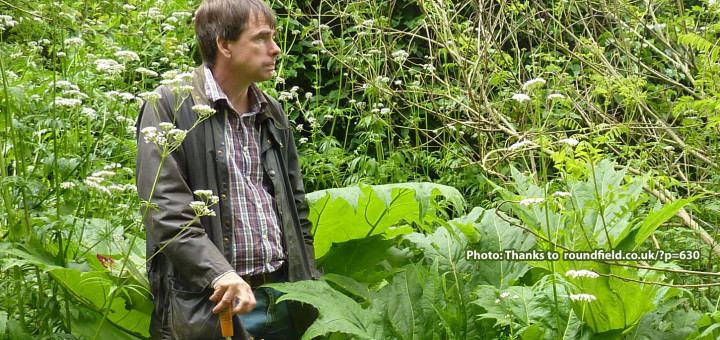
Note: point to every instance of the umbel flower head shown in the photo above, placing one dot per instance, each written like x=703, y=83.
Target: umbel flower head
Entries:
x=203, y=111
x=202, y=207
x=168, y=138
x=583, y=297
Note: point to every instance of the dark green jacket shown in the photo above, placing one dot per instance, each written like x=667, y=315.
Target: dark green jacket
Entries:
x=192, y=255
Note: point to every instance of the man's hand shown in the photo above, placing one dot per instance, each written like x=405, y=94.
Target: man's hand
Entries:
x=231, y=291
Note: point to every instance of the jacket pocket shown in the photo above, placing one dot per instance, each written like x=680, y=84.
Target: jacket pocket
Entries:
x=191, y=318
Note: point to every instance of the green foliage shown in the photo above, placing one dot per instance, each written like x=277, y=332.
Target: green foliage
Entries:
x=355, y=212
x=388, y=92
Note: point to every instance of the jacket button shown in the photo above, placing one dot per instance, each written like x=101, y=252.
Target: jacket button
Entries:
x=271, y=173
x=219, y=152
x=223, y=196
x=227, y=240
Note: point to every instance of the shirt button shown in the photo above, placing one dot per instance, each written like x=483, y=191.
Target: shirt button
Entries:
x=245, y=148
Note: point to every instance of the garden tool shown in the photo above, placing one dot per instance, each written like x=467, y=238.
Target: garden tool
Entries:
x=226, y=324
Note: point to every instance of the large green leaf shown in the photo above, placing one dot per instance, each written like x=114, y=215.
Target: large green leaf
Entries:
x=368, y=260
x=130, y=310
x=337, y=312
x=620, y=303
x=658, y=217
x=356, y=212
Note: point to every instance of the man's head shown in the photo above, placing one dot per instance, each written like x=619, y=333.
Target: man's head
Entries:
x=218, y=21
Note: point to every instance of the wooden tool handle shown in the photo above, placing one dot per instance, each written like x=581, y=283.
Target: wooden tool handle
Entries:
x=226, y=323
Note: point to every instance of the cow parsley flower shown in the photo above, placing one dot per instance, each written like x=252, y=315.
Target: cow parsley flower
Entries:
x=127, y=55
x=89, y=112
x=6, y=21
x=207, y=196
x=150, y=97
x=200, y=209
x=520, y=97
x=109, y=66
x=284, y=96
x=553, y=96
x=569, y=141
x=561, y=194
x=75, y=41
x=203, y=111
x=531, y=200
x=583, y=297
x=67, y=185
x=533, y=83
x=67, y=102
x=146, y=72
x=400, y=56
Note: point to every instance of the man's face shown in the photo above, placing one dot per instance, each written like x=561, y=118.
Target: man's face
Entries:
x=254, y=52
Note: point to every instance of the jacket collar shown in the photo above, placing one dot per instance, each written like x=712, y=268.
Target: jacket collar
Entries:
x=200, y=97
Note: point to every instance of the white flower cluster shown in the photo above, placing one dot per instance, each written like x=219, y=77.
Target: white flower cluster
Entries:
x=98, y=181
x=89, y=112
x=202, y=207
x=561, y=194
x=292, y=94
x=66, y=85
x=533, y=83
x=167, y=137
x=506, y=295
x=531, y=200
x=122, y=96
x=521, y=144
x=400, y=56
x=178, y=82
x=150, y=97
x=67, y=185
x=75, y=41
x=146, y=72
x=428, y=67
x=152, y=13
x=582, y=273
x=109, y=66
x=569, y=141
x=554, y=96
x=520, y=97
x=583, y=297
x=67, y=102
x=6, y=22
x=203, y=111
x=127, y=55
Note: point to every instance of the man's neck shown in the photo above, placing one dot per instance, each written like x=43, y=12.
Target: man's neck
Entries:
x=234, y=89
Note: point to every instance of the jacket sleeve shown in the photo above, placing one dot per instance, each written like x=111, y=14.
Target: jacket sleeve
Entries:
x=169, y=222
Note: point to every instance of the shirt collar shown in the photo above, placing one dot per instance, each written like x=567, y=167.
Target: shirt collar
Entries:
x=215, y=94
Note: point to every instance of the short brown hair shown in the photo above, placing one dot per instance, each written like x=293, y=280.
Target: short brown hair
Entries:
x=226, y=19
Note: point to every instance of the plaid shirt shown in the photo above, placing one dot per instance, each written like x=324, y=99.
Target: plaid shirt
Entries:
x=257, y=238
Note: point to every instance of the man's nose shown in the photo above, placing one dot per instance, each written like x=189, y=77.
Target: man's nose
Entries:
x=274, y=49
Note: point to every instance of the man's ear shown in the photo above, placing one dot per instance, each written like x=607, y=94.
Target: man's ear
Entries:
x=223, y=47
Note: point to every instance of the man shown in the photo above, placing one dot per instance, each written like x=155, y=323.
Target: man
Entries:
x=200, y=265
